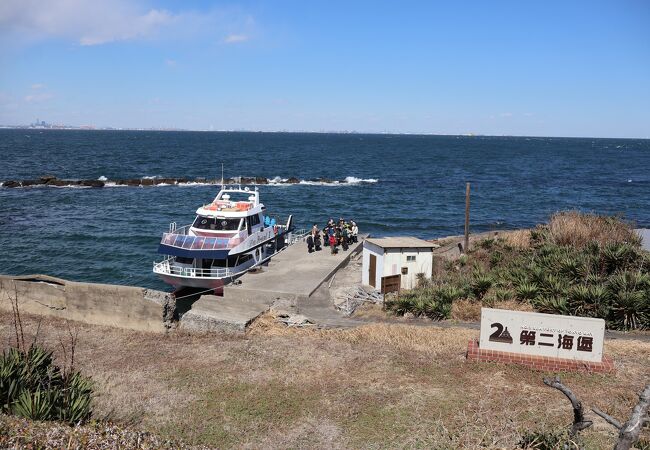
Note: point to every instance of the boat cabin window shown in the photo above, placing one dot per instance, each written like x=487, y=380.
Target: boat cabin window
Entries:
x=217, y=224
x=255, y=220
x=181, y=260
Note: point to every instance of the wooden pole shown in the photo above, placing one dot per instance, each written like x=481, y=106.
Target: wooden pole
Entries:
x=466, y=248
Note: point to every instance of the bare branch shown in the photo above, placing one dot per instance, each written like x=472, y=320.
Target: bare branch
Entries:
x=609, y=419
x=20, y=322
x=38, y=331
x=631, y=429
x=579, y=422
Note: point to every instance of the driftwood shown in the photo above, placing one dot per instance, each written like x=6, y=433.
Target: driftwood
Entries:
x=609, y=419
x=579, y=422
x=354, y=297
x=629, y=432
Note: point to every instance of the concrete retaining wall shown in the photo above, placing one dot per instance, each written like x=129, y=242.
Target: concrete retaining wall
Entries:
x=101, y=304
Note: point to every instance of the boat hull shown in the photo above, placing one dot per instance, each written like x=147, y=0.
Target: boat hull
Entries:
x=203, y=283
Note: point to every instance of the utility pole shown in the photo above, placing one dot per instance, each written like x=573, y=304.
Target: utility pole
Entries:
x=466, y=248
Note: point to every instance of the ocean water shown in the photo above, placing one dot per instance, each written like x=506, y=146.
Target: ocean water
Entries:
x=396, y=185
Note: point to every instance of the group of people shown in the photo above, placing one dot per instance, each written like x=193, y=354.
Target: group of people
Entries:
x=334, y=234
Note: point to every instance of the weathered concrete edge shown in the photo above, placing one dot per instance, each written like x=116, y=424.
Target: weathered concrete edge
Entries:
x=194, y=321
x=118, y=306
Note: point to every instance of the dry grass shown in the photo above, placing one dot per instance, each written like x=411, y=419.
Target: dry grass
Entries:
x=519, y=239
x=466, y=310
x=376, y=386
x=578, y=229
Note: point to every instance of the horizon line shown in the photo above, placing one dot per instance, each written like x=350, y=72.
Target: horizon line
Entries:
x=369, y=133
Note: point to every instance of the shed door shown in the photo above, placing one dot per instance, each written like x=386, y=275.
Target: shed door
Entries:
x=372, y=270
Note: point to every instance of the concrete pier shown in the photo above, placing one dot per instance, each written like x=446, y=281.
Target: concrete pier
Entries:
x=292, y=276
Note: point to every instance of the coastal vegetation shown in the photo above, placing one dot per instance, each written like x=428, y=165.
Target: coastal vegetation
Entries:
x=375, y=386
x=34, y=386
x=577, y=264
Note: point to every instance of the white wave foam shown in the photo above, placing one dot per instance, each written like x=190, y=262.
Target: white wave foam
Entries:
x=102, y=178
x=355, y=180
x=189, y=184
x=150, y=178
x=277, y=180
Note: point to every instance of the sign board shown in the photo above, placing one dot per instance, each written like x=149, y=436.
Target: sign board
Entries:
x=568, y=337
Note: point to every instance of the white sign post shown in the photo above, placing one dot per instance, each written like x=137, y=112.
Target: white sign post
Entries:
x=567, y=337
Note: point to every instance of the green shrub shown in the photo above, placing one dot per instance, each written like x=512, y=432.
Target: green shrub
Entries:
x=480, y=284
x=438, y=310
x=487, y=243
x=617, y=255
x=578, y=264
x=551, y=305
x=32, y=386
x=630, y=300
x=527, y=291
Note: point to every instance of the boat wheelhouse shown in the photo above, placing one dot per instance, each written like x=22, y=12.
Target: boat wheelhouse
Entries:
x=228, y=237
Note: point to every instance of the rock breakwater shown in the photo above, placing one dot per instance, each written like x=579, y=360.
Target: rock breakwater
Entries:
x=53, y=181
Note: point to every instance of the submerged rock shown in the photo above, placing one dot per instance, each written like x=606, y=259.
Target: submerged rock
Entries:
x=57, y=182
x=92, y=183
x=11, y=184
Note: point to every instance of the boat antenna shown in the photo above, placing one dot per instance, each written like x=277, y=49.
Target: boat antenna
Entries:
x=221, y=175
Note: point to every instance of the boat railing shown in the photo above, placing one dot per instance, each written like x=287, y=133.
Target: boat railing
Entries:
x=167, y=267
x=298, y=236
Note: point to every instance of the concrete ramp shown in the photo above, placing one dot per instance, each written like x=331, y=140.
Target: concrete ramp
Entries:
x=292, y=276
x=212, y=313
x=294, y=273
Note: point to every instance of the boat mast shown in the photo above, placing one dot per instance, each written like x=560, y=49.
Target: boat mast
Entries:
x=221, y=176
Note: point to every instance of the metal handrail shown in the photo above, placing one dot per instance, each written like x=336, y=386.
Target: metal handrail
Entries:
x=298, y=236
x=164, y=267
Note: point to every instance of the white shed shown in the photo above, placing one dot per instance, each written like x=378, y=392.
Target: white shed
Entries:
x=392, y=260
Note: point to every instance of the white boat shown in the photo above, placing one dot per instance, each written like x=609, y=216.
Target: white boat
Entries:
x=230, y=236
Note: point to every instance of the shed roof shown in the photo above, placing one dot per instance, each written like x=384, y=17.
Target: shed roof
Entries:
x=401, y=242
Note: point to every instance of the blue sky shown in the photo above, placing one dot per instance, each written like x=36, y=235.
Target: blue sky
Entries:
x=547, y=68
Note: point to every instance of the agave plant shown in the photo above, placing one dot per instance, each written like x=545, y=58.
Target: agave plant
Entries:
x=401, y=306
x=527, y=291
x=450, y=293
x=554, y=286
x=438, y=310
x=480, y=284
x=630, y=310
x=589, y=301
x=630, y=300
x=32, y=386
x=551, y=305
x=571, y=267
x=617, y=256
x=34, y=405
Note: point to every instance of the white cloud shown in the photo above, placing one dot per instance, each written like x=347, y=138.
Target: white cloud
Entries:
x=36, y=86
x=170, y=62
x=235, y=38
x=38, y=98
x=505, y=114
x=103, y=21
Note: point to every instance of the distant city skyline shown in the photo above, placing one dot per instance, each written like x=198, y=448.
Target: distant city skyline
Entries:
x=493, y=68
